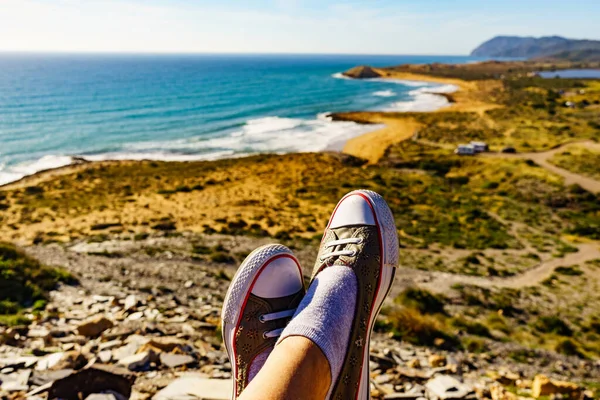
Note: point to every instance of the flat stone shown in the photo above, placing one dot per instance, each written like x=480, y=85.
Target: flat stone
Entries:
x=103, y=396
x=131, y=302
x=447, y=387
x=436, y=360
x=40, y=378
x=18, y=362
x=138, y=362
x=113, y=344
x=105, y=356
x=402, y=396
x=16, y=382
x=94, y=326
x=175, y=360
x=49, y=361
x=38, y=333
x=543, y=386
x=136, y=316
x=125, y=351
x=193, y=388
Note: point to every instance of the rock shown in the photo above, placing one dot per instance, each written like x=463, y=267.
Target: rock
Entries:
x=136, y=316
x=96, y=379
x=402, y=396
x=447, y=387
x=130, y=303
x=125, y=351
x=94, y=326
x=188, y=284
x=18, y=362
x=49, y=361
x=167, y=344
x=413, y=363
x=175, y=360
x=104, y=396
x=67, y=360
x=16, y=382
x=194, y=387
x=543, y=386
x=105, y=356
x=72, y=360
x=437, y=360
x=138, y=362
x=504, y=377
x=497, y=392
x=113, y=344
x=43, y=377
x=361, y=72
x=38, y=333
x=588, y=395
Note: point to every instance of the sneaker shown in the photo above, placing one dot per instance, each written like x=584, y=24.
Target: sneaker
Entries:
x=261, y=300
x=362, y=235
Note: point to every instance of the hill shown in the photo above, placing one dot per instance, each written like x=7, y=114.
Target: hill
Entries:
x=543, y=47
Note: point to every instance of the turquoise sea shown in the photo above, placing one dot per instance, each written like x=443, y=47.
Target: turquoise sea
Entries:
x=187, y=107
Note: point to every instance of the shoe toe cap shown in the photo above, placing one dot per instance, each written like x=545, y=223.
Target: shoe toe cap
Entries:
x=280, y=277
x=353, y=210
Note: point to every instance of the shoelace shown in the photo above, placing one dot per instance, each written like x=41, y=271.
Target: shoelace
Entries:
x=273, y=316
x=344, y=252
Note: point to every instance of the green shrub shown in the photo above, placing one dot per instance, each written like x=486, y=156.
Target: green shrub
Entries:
x=471, y=327
x=221, y=257
x=165, y=226
x=24, y=281
x=200, y=249
x=553, y=324
x=570, y=271
x=569, y=347
x=422, y=300
x=411, y=326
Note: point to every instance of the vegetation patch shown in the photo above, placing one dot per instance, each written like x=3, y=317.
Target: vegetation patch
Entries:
x=24, y=282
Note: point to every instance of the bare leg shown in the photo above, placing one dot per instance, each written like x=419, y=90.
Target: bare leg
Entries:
x=296, y=369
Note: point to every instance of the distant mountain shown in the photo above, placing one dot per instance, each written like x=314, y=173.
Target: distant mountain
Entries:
x=544, y=47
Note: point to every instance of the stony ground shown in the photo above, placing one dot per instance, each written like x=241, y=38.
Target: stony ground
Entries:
x=144, y=322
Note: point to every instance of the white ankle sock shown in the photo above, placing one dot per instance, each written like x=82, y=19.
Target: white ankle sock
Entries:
x=325, y=315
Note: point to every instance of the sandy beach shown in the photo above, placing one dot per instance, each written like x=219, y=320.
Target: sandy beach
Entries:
x=398, y=127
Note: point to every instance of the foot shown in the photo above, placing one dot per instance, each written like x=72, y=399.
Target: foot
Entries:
x=361, y=235
x=262, y=298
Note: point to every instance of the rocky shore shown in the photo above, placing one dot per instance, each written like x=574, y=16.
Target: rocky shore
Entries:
x=144, y=323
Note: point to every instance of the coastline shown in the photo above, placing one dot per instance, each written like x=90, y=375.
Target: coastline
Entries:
x=370, y=146
x=373, y=145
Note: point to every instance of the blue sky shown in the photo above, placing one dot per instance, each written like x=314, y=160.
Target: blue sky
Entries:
x=285, y=26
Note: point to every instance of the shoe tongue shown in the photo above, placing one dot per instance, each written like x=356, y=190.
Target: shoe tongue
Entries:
x=344, y=232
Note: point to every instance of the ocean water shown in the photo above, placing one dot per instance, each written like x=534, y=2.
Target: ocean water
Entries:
x=187, y=107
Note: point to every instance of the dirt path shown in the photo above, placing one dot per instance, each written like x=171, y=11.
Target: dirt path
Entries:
x=542, y=158
x=442, y=282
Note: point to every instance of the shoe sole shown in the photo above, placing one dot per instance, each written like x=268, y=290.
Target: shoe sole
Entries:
x=239, y=291
x=389, y=261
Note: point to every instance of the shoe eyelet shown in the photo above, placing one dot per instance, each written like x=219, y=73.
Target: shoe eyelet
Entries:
x=264, y=335
x=353, y=254
x=360, y=240
x=261, y=319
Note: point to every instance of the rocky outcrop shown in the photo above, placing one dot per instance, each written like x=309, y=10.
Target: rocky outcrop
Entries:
x=362, y=72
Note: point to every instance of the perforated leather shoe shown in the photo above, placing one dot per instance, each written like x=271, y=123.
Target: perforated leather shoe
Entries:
x=260, y=301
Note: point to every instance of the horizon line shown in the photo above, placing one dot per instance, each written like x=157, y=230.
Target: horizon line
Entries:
x=160, y=53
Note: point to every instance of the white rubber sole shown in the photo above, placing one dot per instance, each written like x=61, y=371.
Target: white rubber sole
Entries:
x=238, y=291
x=389, y=243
